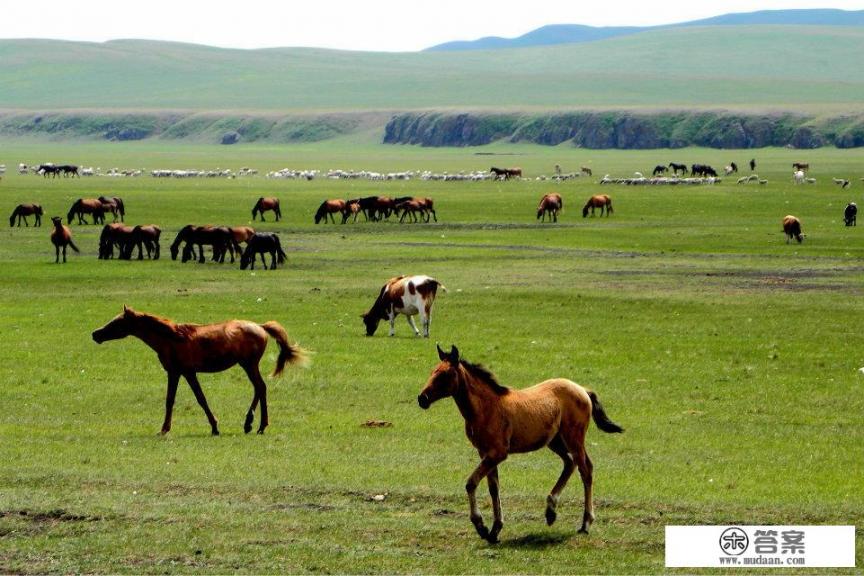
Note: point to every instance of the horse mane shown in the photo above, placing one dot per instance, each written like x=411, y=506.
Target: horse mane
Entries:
x=482, y=374
x=165, y=327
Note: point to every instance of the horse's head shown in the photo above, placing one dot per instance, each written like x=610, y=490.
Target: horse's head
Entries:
x=187, y=253
x=443, y=380
x=57, y=221
x=71, y=213
x=120, y=327
x=585, y=210
x=246, y=259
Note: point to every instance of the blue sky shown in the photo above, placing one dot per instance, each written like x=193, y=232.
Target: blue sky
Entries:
x=384, y=25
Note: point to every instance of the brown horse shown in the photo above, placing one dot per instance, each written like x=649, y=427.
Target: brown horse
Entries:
x=601, y=201
x=23, y=210
x=550, y=204
x=61, y=237
x=119, y=235
x=148, y=236
x=87, y=206
x=265, y=204
x=330, y=207
x=792, y=228
x=186, y=349
x=500, y=421
x=218, y=237
x=240, y=234
x=506, y=173
x=114, y=205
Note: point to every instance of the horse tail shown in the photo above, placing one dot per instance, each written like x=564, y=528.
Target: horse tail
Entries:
x=600, y=418
x=288, y=353
x=72, y=245
x=279, y=252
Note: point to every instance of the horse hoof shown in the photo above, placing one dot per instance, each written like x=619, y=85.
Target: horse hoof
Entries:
x=583, y=530
x=214, y=432
x=551, y=516
x=247, y=428
x=261, y=432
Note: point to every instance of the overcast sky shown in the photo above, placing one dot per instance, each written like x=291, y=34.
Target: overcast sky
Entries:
x=385, y=25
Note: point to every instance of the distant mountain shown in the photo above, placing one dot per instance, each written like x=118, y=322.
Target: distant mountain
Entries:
x=577, y=33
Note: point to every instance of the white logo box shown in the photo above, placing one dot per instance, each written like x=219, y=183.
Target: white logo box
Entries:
x=700, y=547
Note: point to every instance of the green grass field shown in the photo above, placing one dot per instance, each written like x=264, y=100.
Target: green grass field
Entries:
x=730, y=357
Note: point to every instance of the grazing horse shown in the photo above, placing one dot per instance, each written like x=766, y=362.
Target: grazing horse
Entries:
x=114, y=205
x=550, y=204
x=506, y=173
x=752, y=164
x=68, y=170
x=217, y=237
x=500, y=421
x=240, y=234
x=147, y=235
x=46, y=169
x=261, y=243
x=850, y=214
x=186, y=349
x=23, y=210
x=330, y=207
x=792, y=229
x=61, y=237
x=660, y=169
x=408, y=295
x=265, y=204
x=84, y=206
x=586, y=171
x=601, y=201
x=678, y=168
x=119, y=235
x=802, y=166
x=411, y=206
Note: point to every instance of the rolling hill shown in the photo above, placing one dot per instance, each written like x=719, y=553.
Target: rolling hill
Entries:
x=810, y=70
x=576, y=33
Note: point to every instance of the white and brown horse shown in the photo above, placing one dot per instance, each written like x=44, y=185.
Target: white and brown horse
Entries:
x=408, y=295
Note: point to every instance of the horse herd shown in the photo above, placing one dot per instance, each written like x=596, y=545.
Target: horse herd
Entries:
x=378, y=208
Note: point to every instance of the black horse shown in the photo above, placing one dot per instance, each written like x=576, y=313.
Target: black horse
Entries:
x=678, y=168
x=660, y=169
x=752, y=164
x=260, y=243
x=46, y=169
x=217, y=237
x=850, y=214
x=68, y=170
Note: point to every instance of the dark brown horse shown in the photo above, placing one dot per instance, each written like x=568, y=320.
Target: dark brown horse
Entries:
x=61, y=237
x=118, y=235
x=115, y=206
x=186, y=349
x=265, y=204
x=500, y=421
x=601, y=201
x=261, y=243
x=148, y=236
x=330, y=207
x=23, y=210
x=84, y=206
x=550, y=204
x=219, y=238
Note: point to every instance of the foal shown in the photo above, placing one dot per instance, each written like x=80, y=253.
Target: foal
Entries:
x=186, y=349
x=500, y=421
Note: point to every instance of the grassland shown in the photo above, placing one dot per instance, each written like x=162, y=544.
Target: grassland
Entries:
x=730, y=357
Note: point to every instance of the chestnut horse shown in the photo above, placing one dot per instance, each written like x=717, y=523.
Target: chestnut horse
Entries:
x=601, y=201
x=87, y=206
x=330, y=207
x=186, y=349
x=114, y=205
x=23, y=210
x=506, y=173
x=265, y=204
x=61, y=237
x=500, y=421
x=550, y=204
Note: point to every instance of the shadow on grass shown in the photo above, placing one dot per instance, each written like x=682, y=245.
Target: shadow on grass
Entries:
x=538, y=541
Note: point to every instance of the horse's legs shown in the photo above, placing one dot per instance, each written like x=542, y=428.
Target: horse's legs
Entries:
x=260, y=394
x=192, y=379
x=413, y=326
x=586, y=470
x=272, y=259
x=391, y=315
x=64, y=253
x=557, y=446
x=498, y=523
x=57, y=253
x=485, y=467
x=173, y=380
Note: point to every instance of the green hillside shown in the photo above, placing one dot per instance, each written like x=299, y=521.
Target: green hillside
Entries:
x=803, y=68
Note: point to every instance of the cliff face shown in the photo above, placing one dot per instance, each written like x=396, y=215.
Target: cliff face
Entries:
x=626, y=130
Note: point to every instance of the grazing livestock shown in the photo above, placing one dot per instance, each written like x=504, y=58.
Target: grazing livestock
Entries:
x=23, y=210
x=752, y=164
x=61, y=237
x=68, y=170
x=678, y=168
x=850, y=214
x=261, y=243
x=703, y=170
x=46, y=169
x=792, y=229
x=148, y=236
x=240, y=234
x=500, y=421
x=84, y=206
x=660, y=169
x=409, y=204
x=114, y=205
x=586, y=171
x=265, y=204
x=843, y=183
x=601, y=201
x=798, y=177
x=802, y=166
x=187, y=349
x=506, y=173
x=330, y=207
x=219, y=238
x=550, y=204
x=408, y=295
x=118, y=235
